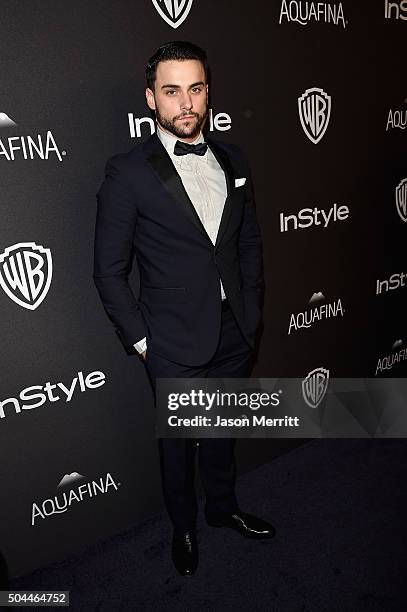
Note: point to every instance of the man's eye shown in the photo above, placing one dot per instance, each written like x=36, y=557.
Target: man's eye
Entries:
x=170, y=91
x=197, y=89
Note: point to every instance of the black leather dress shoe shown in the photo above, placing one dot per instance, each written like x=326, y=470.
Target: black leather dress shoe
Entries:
x=185, y=552
x=246, y=524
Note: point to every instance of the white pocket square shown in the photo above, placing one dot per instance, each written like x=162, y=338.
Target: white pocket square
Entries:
x=240, y=181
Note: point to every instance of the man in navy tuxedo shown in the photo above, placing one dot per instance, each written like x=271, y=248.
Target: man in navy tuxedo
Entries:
x=182, y=205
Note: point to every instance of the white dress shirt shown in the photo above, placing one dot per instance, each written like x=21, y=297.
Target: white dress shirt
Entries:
x=205, y=184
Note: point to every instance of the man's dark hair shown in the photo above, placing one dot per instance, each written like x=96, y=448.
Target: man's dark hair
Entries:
x=175, y=50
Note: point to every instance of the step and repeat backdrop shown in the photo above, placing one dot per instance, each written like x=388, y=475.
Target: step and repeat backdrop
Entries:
x=314, y=94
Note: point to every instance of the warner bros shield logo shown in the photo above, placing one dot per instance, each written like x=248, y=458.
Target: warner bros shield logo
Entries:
x=174, y=12
x=314, y=107
x=26, y=273
x=401, y=199
x=314, y=386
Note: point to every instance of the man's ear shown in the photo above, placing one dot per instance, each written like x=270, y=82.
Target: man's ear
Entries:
x=150, y=98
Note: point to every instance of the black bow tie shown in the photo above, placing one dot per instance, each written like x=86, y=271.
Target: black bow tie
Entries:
x=183, y=148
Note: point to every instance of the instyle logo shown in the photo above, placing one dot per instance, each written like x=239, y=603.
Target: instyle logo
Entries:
x=399, y=354
x=401, y=199
x=220, y=122
x=174, y=12
x=395, y=10
x=77, y=493
x=36, y=395
x=26, y=273
x=307, y=12
x=314, y=386
x=308, y=217
x=396, y=119
x=317, y=312
x=394, y=282
x=314, y=108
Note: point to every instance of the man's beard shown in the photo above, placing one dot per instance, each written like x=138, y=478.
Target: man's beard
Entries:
x=182, y=130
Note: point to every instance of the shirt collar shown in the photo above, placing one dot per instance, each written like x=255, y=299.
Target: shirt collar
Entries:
x=169, y=140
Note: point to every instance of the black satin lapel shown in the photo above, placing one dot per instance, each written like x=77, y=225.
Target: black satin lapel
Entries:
x=226, y=166
x=164, y=168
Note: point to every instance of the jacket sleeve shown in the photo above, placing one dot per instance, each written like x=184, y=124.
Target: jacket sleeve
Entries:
x=250, y=243
x=113, y=256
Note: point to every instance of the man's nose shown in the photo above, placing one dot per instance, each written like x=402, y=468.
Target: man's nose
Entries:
x=186, y=102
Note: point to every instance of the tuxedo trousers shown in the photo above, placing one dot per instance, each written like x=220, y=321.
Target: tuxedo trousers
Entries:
x=233, y=358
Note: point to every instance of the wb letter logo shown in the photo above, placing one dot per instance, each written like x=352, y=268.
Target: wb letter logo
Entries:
x=314, y=386
x=174, y=12
x=25, y=273
x=314, y=107
x=401, y=199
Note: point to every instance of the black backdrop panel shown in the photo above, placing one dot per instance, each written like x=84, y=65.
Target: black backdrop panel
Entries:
x=78, y=452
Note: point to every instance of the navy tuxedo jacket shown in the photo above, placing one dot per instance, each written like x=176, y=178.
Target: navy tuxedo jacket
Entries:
x=144, y=212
